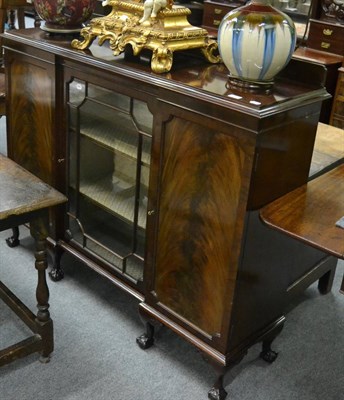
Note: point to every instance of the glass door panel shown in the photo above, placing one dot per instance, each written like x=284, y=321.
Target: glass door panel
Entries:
x=109, y=160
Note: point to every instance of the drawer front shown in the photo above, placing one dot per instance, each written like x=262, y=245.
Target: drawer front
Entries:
x=326, y=37
x=214, y=13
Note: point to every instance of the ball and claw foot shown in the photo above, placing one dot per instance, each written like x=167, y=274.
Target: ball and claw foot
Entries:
x=217, y=394
x=56, y=274
x=268, y=355
x=44, y=359
x=12, y=242
x=144, y=341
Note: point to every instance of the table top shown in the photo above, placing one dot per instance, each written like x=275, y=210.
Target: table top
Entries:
x=310, y=212
x=24, y=192
x=306, y=53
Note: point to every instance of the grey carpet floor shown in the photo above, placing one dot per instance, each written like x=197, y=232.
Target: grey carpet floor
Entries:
x=96, y=356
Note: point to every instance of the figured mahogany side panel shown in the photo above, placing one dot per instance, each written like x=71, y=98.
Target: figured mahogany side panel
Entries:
x=30, y=114
x=283, y=156
x=204, y=186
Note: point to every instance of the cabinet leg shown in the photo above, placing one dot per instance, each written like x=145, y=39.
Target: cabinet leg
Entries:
x=146, y=340
x=13, y=240
x=56, y=273
x=267, y=354
x=217, y=392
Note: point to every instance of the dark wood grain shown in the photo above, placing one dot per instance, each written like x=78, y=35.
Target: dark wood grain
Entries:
x=310, y=212
x=30, y=130
x=200, y=222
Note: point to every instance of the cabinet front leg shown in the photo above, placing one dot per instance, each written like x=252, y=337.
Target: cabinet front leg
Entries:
x=267, y=354
x=56, y=273
x=217, y=392
x=146, y=340
x=13, y=240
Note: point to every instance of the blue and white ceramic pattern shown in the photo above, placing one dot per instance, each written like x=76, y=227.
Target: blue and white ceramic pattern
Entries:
x=256, y=41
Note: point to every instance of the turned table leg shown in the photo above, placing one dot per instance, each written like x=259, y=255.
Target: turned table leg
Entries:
x=43, y=321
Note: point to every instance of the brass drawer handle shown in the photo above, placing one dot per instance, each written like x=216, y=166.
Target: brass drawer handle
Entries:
x=216, y=22
x=327, y=32
x=217, y=11
x=325, y=45
x=151, y=212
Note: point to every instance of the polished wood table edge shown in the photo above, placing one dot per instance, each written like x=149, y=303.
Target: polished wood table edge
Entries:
x=310, y=212
x=307, y=53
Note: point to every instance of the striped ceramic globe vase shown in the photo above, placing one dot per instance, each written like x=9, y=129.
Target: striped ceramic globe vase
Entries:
x=256, y=41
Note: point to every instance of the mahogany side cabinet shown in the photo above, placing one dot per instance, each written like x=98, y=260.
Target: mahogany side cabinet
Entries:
x=165, y=176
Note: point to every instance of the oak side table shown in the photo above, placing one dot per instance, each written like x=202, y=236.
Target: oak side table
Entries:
x=26, y=199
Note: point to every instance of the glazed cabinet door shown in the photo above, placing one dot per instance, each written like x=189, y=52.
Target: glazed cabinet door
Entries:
x=109, y=146
x=201, y=172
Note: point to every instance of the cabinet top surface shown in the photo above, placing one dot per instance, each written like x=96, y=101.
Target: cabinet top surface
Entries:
x=190, y=75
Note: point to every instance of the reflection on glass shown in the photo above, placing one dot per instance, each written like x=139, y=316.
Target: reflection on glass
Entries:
x=293, y=6
x=109, y=160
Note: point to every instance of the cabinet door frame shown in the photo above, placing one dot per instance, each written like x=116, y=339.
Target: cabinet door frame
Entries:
x=246, y=144
x=123, y=87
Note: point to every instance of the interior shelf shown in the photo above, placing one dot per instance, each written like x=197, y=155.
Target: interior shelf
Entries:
x=121, y=203
x=120, y=138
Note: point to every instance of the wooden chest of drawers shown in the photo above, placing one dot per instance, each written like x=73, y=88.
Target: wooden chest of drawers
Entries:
x=326, y=36
x=214, y=11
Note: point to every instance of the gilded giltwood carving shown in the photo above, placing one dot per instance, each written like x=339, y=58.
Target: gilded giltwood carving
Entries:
x=156, y=25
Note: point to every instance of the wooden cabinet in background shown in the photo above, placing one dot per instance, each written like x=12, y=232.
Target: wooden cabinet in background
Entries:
x=337, y=114
x=214, y=11
x=299, y=11
x=326, y=36
x=165, y=176
x=331, y=62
